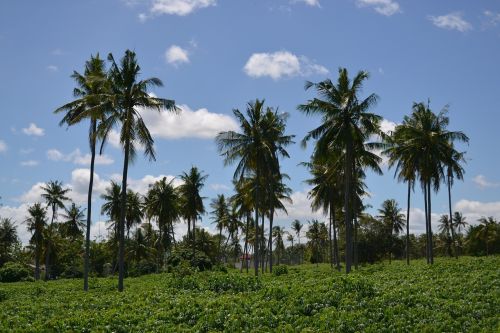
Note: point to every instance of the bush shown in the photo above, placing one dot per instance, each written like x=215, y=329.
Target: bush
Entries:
x=280, y=270
x=200, y=261
x=13, y=272
x=143, y=267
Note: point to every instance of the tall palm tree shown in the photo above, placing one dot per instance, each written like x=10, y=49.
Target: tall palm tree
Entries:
x=297, y=227
x=90, y=103
x=55, y=195
x=242, y=202
x=163, y=204
x=36, y=223
x=128, y=96
x=278, y=234
x=8, y=238
x=346, y=125
x=74, y=221
x=394, y=221
x=429, y=144
x=220, y=216
x=256, y=148
x=192, y=201
x=444, y=227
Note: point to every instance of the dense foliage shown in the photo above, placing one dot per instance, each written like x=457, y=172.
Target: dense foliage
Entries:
x=449, y=296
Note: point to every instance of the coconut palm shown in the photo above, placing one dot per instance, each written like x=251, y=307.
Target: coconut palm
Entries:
x=112, y=205
x=486, y=231
x=444, y=227
x=220, y=216
x=135, y=210
x=192, y=201
x=129, y=96
x=242, y=202
x=8, y=238
x=459, y=222
x=347, y=126
x=74, y=221
x=36, y=223
x=297, y=227
x=90, y=104
x=394, y=221
x=163, y=204
x=257, y=148
x=278, y=234
x=55, y=195
x=429, y=144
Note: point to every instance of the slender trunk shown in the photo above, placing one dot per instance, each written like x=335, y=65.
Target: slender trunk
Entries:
x=427, y=255
x=355, y=248
x=89, y=207
x=49, y=243
x=390, y=245
x=335, y=243
x=194, y=238
x=160, y=246
x=330, y=247
x=245, y=250
x=408, y=225
x=347, y=211
x=121, y=225
x=256, y=240
x=189, y=228
x=271, y=241
x=431, y=241
x=451, y=219
x=37, y=262
x=220, y=241
x=262, y=244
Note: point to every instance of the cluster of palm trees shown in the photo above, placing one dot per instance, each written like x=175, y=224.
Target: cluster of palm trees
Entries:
x=108, y=99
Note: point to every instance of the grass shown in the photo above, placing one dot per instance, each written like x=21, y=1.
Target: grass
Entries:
x=450, y=296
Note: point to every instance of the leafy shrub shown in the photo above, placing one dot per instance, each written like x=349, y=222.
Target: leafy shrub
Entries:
x=200, y=260
x=13, y=272
x=72, y=272
x=234, y=283
x=143, y=267
x=280, y=270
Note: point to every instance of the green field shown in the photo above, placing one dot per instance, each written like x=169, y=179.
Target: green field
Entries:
x=451, y=296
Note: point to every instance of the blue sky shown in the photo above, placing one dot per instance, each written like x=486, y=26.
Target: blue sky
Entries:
x=216, y=55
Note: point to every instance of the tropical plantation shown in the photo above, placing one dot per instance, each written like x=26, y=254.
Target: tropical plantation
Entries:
x=350, y=271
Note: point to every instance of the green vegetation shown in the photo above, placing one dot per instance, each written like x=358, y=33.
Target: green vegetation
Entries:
x=449, y=296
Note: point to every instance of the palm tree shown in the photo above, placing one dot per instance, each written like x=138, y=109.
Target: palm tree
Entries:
x=111, y=206
x=128, y=96
x=220, y=216
x=163, y=203
x=445, y=226
x=277, y=234
x=55, y=196
x=429, y=144
x=90, y=103
x=346, y=126
x=297, y=227
x=8, y=238
x=256, y=148
x=192, y=202
x=74, y=222
x=486, y=229
x=36, y=222
x=393, y=219
x=242, y=202
x=459, y=221
x=135, y=210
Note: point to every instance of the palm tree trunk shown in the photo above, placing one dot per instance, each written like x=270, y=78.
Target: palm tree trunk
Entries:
x=89, y=208
x=256, y=238
x=347, y=211
x=220, y=241
x=121, y=225
x=271, y=241
x=451, y=219
x=335, y=243
x=37, y=262
x=194, y=238
x=355, y=249
x=427, y=254
x=330, y=247
x=262, y=243
x=245, y=249
x=49, y=241
x=408, y=225
x=189, y=228
x=431, y=241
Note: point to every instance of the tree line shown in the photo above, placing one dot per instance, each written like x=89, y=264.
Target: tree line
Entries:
x=421, y=150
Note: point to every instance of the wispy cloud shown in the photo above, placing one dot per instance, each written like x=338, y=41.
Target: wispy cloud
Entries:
x=383, y=7
x=30, y=163
x=52, y=68
x=3, y=146
x=491, y=19
x=179, y=7
x=176, y=55
x=281, y=64
x=77, y=157
x=483, y=183
x=451, y=21
x=33, y=130
x=312, y=3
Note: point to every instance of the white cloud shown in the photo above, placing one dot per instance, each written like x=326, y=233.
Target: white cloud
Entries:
x=142, y=17
x=492, y=18
x=53, y=68
x=99, y=231
x=18, y=216
x=387, y=126
x=473, y=210
x=3, y=146
x=281, y=64
x=220, y=187
x=482, y=182
x=187, y=124
x=452, y=21
x=383, y=7
x=76, y=157
x=142, y=185
x=300, y=208
x=34, y=130
x=29, y=163
x=312, y=3
x=179, y=7
x=176, y=55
